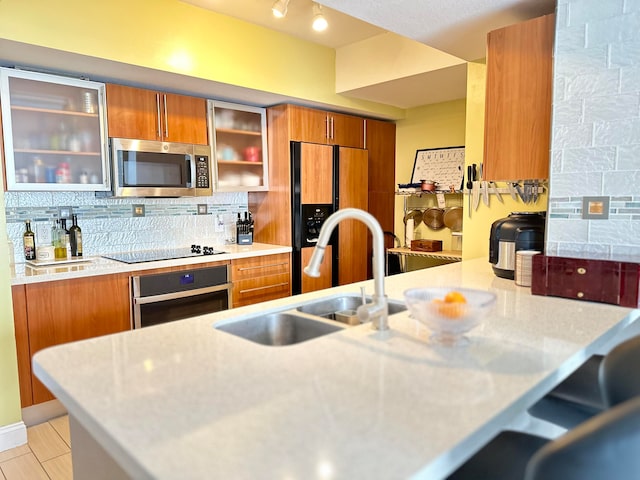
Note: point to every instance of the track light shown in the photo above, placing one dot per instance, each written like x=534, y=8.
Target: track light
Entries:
x=319, y=22
x=279, y=8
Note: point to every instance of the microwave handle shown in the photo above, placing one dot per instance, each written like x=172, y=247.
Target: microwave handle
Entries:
x=191, y=169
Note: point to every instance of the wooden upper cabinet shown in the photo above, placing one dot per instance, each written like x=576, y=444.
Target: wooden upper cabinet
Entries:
x=518, y=100
x=150, y=115
x=318, y=126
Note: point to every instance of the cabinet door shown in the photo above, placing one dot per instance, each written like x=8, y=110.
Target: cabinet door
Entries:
x=346, y=130
x=308, y=125
x=185, y=120
x=311, y=284
x=22, y=344
x=352, y=234
x=381, y=145
x=53, y=132
x=133, y=113
x=239, y=134
x=518, y=100
x=69, y=310
x=316, y=173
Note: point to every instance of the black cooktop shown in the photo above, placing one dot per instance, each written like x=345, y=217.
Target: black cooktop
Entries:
x=157, y=255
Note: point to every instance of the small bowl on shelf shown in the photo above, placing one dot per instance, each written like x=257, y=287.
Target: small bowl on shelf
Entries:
x=449, y=312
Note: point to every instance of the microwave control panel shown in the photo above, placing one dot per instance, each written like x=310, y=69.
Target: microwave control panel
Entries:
x=202, y=171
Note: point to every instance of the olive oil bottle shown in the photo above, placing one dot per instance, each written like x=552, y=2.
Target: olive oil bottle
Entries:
x=29, y=242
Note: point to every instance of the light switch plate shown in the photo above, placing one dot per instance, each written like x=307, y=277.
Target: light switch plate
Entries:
x=595, y=208
x=202, y=209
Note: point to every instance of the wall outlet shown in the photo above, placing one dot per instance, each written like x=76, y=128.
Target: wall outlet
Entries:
x=595, y=208
x=219, y=224
x=202, y=209
x=137, y=210
x=65, y=212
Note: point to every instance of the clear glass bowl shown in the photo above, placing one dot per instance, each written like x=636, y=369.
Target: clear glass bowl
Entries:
x=449, y=321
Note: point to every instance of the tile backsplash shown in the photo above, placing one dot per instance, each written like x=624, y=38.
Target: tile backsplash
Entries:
x=595, y=146
x=109, y=225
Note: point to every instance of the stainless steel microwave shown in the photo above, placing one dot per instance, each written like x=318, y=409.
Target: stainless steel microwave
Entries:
x=144, y=168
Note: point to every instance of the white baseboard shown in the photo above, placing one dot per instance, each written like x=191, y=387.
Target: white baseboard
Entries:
x=12, y=436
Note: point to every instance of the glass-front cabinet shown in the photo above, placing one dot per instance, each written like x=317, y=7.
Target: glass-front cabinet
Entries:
x=54, y=130
x=239, y=140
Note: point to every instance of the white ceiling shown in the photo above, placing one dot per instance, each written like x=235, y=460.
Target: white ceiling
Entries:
x=455, y=27
x=343, y=29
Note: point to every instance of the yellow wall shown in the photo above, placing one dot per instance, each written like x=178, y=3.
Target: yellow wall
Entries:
x=10, y=396
x=477, y=227
x=176, y=37
x=430, y=126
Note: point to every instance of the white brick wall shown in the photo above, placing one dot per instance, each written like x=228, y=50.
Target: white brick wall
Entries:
x=595, y=145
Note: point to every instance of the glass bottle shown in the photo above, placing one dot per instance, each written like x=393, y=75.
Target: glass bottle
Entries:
x=75, y=234
x=66, y=237
x=59, y=247
x=29, y=242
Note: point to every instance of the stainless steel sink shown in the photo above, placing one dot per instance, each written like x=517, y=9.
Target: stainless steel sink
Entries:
x=277, y=329
x=338, y=308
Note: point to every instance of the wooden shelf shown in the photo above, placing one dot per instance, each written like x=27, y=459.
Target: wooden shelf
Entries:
x=453, y=255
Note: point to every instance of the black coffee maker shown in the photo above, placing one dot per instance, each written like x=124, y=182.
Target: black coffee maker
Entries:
x=518, y=231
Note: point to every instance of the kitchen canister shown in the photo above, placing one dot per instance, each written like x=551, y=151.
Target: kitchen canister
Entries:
x=523, y=267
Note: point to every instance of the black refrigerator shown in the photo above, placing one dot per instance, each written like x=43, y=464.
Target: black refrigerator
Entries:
x=325, y=178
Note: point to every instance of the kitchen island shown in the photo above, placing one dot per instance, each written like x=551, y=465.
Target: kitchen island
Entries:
x=184, y=400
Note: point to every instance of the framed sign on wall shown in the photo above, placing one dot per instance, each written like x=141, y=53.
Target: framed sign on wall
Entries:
x=445, y=166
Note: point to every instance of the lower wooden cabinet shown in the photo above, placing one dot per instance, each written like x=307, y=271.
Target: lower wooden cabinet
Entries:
x=52, y=313
x=259, y=279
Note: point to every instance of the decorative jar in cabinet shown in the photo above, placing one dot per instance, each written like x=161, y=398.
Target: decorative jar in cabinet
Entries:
x=54, y=132
x=240, y=146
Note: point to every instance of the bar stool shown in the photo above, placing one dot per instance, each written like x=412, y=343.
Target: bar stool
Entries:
x=604, y=447
x=601, y=382
x=507, y=455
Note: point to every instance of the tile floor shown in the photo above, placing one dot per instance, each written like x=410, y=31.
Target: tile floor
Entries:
x=47, y=455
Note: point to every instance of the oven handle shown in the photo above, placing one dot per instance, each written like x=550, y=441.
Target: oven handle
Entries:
x=175, y=295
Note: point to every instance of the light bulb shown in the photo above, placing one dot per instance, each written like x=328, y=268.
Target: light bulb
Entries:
x=319, y=22
x=279, y=8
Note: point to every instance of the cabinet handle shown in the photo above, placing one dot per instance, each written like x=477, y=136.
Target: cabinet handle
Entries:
x=242, y=269
x=249, y=290
x=332, y=128
x=166, y=121
x=159, y=129
x=364, y=135
x=326, y=127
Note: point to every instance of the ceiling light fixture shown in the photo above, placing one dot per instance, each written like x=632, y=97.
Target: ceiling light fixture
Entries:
x=319, y=22
x=279, y=8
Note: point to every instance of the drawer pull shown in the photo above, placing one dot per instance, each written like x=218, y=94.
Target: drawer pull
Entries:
x=263, y=266
x=581, y=271
x=249, y=290
x=580, y=294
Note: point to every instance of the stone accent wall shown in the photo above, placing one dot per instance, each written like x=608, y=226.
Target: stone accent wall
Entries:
x=595, y=147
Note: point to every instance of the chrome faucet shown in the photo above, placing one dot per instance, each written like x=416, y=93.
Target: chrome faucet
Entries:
x=378, y=310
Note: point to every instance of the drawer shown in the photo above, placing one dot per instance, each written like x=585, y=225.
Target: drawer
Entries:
x=260, y=289
x=248, y=268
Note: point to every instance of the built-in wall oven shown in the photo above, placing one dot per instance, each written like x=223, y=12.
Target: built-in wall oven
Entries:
x=165, y=297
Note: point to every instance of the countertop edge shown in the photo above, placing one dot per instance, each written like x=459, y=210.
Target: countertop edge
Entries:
x=22, y=274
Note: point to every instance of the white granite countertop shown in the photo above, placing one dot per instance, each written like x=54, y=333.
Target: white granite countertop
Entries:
x=23, y=273
x=184, y=400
